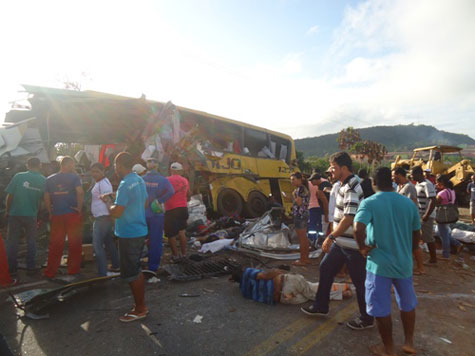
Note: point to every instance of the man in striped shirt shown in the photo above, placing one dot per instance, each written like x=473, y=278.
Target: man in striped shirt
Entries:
x=426, y=200
x=340, y=246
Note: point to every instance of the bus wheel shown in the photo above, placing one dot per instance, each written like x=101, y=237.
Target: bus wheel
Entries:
x=229, y=203
x=256, y=204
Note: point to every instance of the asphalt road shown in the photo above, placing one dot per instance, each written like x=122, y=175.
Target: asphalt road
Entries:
x=231, y=325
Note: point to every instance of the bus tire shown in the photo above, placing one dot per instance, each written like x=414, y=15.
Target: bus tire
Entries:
x=256, y=204
x=229, y=203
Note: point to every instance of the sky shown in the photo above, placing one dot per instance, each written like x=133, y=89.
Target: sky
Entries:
x=305, y=68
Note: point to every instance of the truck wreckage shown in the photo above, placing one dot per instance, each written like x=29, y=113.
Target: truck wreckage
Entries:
x=233, y=165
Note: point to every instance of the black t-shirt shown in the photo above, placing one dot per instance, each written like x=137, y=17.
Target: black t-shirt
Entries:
x=325, y=184
x=367, y=188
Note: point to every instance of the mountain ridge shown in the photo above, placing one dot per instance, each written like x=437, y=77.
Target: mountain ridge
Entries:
x=395, y=138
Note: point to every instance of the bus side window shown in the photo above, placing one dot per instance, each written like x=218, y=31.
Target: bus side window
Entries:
x=283, y=152
x=280, y=148
x=228, y=134
x=255, y=141
x=273, y=147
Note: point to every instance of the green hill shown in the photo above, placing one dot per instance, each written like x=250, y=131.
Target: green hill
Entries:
x=395, y=138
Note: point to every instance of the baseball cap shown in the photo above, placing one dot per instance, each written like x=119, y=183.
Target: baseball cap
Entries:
x=315, y=176
x=176, y=166
x=138, y=168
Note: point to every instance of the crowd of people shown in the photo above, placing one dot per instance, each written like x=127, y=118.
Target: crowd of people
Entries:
x=138, y=213
x=371, y=226
x=377, y=228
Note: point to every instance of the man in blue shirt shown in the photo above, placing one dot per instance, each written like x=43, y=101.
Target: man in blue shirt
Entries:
x=159, y=190
x=387, y=230
x=131, y=229
x=63, y=199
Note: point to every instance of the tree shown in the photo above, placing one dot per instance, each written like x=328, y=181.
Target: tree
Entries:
x=304, y=166
x=319, y=163
x=374, y=152
x=348, y=138
x=72, y=85
x=77, y=84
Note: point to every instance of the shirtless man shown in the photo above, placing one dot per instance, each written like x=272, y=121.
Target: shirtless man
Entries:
x=288, y=288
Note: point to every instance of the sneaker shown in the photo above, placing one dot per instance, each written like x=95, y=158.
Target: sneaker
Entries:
x=312, y=311
x=111, y=274
x=358, y=324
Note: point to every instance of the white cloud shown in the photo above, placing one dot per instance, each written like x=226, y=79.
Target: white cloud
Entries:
x=390, y=63
x=312, y=31
x=292, y=63
x=412, y=57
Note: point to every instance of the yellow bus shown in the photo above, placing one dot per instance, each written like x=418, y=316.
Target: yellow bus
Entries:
x=234, y=165
x=246, y=165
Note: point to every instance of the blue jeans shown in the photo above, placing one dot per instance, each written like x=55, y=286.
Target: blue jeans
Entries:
x=102, y=238
x=447, y=239
x=315, y=223
x=155, y=232
x=329, y=268
x=16, y=224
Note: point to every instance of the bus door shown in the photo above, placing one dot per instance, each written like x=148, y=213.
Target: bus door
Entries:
x=286, y=186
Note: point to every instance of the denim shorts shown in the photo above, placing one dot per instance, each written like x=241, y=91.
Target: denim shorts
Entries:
x=301, y=221
x=130, y=252
x=378, y=294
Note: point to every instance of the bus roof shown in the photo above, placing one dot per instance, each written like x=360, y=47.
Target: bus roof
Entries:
x=80, y=116
x=240, y=123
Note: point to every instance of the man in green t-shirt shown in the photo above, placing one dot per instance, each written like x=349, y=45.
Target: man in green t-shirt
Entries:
x=24, y=194
x=387, y=230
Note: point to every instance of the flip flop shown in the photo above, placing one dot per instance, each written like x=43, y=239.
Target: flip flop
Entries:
x=129, y=317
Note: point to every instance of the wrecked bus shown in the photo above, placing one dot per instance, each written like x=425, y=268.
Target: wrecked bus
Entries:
x=234, y=165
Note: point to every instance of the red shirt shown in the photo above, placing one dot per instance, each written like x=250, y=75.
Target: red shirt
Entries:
x=180, y=198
